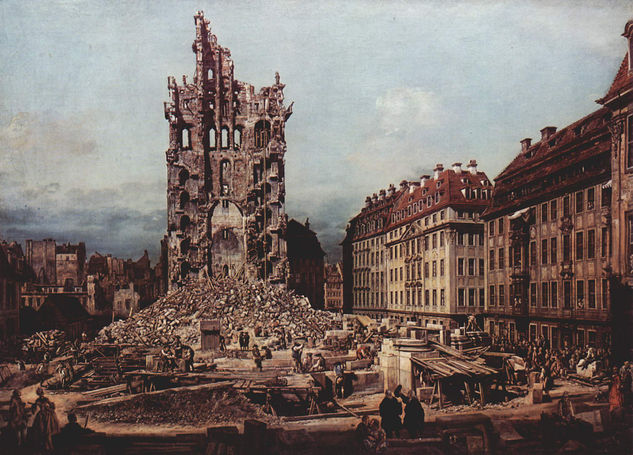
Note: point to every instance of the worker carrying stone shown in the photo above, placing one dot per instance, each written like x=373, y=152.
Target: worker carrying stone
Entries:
x=166, y=362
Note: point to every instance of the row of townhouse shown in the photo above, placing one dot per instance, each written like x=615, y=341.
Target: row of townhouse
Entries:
x=547, y=251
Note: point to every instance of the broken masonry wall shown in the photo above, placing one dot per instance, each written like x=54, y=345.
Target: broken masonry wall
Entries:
x=225, y=171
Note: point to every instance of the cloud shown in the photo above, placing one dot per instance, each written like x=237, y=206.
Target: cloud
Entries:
x=406, y=110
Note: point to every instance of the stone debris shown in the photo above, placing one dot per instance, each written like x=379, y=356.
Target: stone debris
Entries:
x=199, y=407
x=259, y=307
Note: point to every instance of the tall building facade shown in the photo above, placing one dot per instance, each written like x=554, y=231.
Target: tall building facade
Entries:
x=619, y=101
x=305, y=262
x=425, y=261
x=225, y=171
x=549, y=237
x=333, y=287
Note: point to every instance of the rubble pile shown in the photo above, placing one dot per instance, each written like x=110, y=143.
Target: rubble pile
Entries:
x=256, y=306
x=197, y=407
x=52, y=342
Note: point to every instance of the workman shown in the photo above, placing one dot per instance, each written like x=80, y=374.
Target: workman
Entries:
x=257, y=357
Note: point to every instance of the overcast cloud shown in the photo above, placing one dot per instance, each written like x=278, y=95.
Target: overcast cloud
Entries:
x=383, y=91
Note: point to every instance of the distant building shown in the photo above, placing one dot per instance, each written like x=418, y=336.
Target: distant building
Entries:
x=305, y=260
x=126, y=301
x=64, y=313
x=12, y=273
x=417, y=254
x=58, y=265
x=333, y=287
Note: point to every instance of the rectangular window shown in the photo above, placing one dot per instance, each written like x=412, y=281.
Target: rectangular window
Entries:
x=434, y=297
x=605, y=294
x=491, y=228
x=591, y=196
x=471, y=239
x=442, y=297
x=460, y=296
x=591, y=244
x=426, y=270
x=629, y=240
x=545, y=294
x=566, y=206
x=553, y=212
x=516, y=257
x=532, y=294
x=532, y=253
x=502, y=295
x=553, y=250
x=580, y=293
x=580, y=201
x=500, y=225
x=591, y=294
x=426, y=243
x=491, y=260
x=532, y=332
x=491, y=297
x=400, y=273
x=553, y=287
x=434, y=269
x=545, y=331
x=441, y=267
x=481, y=267
x=544, y=212
x=471, y=267
x=501, y=258
x=544, y=252
x=481, y=239
x=567, y=294
x=629, y=139
x=442, y=239
x=579, y=246
x=434, y=241
x=460, y=266
x=604, y=242
x=482, y=297
x=471, y=297
x=566, y=248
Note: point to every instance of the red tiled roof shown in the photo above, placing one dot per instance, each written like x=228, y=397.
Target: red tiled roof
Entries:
x=581, y=142
x=450, y=191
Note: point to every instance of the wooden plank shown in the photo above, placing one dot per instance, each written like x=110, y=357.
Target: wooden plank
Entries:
x=209, y=386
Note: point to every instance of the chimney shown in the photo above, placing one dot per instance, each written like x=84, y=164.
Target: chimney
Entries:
x=391, y=190
x=413, y=186
x=424, y=178
x=367, y=201
x=472, y=167
x=547, y=132
x=374, y=198
x=382, y=194
x=457, y=168
x=403, y=185
x=525, y=144
x=439, y=167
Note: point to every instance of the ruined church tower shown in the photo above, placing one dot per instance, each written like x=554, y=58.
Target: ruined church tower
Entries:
x=225, y=171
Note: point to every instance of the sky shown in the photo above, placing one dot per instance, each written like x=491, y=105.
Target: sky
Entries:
x=382, y=92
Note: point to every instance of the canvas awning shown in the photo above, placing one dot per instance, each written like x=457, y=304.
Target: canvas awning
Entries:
x=518, y=213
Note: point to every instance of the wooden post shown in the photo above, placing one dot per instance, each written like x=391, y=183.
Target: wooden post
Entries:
x=482, y=393
x=468, y=393
x=439, y=391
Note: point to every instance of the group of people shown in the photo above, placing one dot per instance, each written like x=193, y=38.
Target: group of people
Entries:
x=259, y=356
x=391, y=409
x=244, y=339
x=39, y=436
x=621, y=389
x=170, y=354
x=553, y=363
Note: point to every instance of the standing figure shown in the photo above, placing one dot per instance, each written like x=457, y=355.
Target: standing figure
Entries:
x=390, y=410
x=339, y=381
x=257, y=357
x=413, y=416
x=297, y=351
x=17, y=418
x=222, y=343
x=45, y=424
